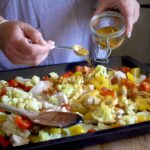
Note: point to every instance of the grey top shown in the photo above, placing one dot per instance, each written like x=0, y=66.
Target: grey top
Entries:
x=64, y=21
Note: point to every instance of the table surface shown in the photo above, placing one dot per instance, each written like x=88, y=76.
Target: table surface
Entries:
x=134, y=143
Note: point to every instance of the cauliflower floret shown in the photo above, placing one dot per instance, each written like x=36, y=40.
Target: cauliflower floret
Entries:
x=132, y=108
x=104, y=114
x=44, y=136
x=54, y=75
x=16, y=93
x=67, y=89
x=129, y=119
x=3, y=83
x=123, y=101
x=73, y=80
x=119, y=74
x=58, y=99
x=35, y=80
x=98, y=71
x=21, y=99
x=72, y=91
x=32, y=104
x=103, y=126
x=108, y=100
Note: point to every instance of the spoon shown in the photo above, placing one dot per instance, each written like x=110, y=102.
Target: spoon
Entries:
x=78, y=49
x=51, y=118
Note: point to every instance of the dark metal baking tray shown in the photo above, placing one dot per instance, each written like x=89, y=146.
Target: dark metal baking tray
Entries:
x=87, y=139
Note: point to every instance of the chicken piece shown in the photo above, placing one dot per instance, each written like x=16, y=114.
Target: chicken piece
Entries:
x=18, y=140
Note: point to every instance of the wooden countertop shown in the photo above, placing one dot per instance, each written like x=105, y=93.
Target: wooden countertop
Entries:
x=135, y=143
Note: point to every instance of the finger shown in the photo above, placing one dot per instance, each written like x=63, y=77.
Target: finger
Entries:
x=40, y=60
x=136, y=13
x=52, y=43
x=16, y=58
x=32, y=49
x=34, y=35
x=100, y=9
x=103, y=6
x=128, y=13
x=129, y=26
x=20, y=59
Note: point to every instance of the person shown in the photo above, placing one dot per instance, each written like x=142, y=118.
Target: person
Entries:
x=29, y=30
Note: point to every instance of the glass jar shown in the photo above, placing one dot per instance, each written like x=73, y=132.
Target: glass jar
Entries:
x=107, y=31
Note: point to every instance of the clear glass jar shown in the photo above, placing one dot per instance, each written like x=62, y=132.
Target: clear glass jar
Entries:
x=107, y=31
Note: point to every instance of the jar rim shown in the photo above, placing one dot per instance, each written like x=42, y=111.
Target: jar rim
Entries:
x=108, y=14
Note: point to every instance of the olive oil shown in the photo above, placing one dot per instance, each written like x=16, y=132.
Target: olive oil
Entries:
x=107, y=41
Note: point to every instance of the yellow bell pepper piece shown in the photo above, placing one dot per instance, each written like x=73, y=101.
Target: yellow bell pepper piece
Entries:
x=55, y=130
x=142, y=118
x=73, y=130
x=130, y=76
x=135, y=72
x=76, y=129
x=142, y=103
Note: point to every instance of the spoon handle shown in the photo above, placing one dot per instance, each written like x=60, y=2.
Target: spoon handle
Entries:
x=14, y=110
x=63, y=47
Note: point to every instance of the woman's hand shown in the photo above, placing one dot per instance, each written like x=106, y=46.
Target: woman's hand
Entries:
x=22, y=44
x=130, y=9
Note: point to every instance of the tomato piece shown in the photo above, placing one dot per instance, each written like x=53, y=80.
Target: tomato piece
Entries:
x=147, y=80
x=46, y=78
x=83, y=69
x=2, y=110
x=3, y=92
x=107, y=92
x=125, y=69
x=23, y=122
x=91, y=131
x=67, y=106
x=114, y=80
x=86, y=69
x=13, y=83
x=128, y=83
x=27, y=88
x=23, y=87
x=67, y=74
x=4, y=142
x=79, y=68
x=144, y=86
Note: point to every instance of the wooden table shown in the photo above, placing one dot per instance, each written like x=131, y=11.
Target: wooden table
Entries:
x=135, y=143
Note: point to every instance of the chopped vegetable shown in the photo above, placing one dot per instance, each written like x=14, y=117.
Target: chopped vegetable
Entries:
x=23, y=122
x=105, y=98
x=4, y=142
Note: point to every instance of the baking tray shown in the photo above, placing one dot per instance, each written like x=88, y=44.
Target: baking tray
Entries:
x=87, y=139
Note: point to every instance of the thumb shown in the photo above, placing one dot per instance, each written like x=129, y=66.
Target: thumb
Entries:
x=34, y=35
x=51, y=43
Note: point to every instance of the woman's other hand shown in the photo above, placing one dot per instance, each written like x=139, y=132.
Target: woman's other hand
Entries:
x=130, y=9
